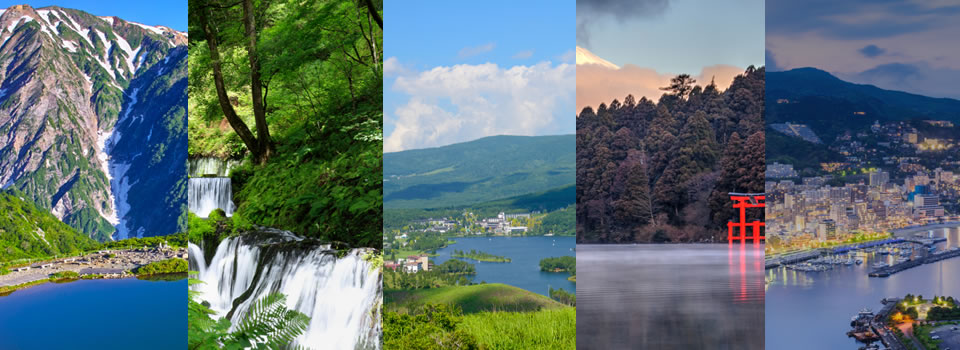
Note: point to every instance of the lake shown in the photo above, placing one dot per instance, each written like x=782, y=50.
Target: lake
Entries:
x=670, y=296
x=96, y=314
x=523, y=270
x=812, y=310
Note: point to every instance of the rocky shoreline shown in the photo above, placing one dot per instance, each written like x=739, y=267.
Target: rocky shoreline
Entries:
x=100, y=264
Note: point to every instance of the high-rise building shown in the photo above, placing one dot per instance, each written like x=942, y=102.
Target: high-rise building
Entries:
x=879, y=178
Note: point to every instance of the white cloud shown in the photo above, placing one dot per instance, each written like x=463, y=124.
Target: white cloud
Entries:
x=522, y=55
x=392, y=67
x=475, y=50
x=451, y=104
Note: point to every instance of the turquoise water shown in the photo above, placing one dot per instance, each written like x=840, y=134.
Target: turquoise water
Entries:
x=523, y=270
x=96, y=314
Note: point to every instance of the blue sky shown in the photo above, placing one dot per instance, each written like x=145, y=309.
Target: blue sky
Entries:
x=907, y=45
x=675, y=36
x=170, y=13
x=493, y=64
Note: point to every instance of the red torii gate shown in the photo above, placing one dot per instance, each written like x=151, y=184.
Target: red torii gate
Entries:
x=737, y=231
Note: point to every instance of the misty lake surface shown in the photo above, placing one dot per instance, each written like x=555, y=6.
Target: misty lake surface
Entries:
x=812, y=310
x=672, y=296
x=96, y=314
x=523, y=271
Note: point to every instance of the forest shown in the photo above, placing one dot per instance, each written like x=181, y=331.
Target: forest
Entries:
x=294, y=89
x=661, y=171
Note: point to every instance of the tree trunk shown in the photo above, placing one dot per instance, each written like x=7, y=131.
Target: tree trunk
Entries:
x=374, y=13
x=228, y=112
x=256, y=87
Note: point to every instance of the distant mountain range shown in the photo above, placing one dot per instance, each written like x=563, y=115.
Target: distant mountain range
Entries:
x=810, y=94
x=831, y=106
x=482, y=170
x=91, y=110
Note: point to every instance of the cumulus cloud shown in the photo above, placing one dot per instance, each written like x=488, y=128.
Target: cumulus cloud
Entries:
x=392, y=67
x=597, y=84
x=872, y=51
x=451, y=104
x=475, y=50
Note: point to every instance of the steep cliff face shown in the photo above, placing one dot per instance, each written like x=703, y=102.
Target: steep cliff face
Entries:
x=69, y=81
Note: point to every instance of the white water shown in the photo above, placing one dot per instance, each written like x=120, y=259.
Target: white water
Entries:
x=211, y=166
x=337, y=294
x=205, y=194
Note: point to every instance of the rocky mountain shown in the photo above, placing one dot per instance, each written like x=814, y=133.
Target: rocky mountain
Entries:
x=76, y=135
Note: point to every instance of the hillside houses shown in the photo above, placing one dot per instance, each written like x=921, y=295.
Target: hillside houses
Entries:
x=412, y=264
x=502, y=223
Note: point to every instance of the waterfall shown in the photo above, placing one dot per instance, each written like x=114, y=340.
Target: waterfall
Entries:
x=338, y=294
x=204, y=194
x=208, y=166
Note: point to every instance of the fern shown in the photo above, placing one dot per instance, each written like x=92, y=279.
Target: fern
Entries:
x=269, y=325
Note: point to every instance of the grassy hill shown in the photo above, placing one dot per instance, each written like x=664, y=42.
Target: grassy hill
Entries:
x=471, y=299
x=482, y=170
x=546, y=329
x=27, y=231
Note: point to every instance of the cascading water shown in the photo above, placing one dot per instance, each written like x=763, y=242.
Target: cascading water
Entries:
x=208, y=166
x=340, y=295
x=209, y=187
x=205, y=194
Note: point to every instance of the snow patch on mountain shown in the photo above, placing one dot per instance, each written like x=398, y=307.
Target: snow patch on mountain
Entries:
x=25, y=19
x=150, y=28
x=120, y=186
x=69, y=45
x=104, y=160
x=131, y=53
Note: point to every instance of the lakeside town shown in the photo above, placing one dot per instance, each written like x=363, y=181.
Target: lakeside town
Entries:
x=118, y=263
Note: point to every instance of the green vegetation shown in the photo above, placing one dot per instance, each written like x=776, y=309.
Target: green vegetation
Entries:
x=922, y=333
x=551, y=201
x=431, y=327
x=300, y=99
x=213, y=229
x=561, y=222
x=174, y=265
x=472, y=298
x=479, y=256
x=441, y=326
x=559, y=264
x=178, y=240
x=268, y=325
x=563, y=296
x=451, y=273
x=65, y=275
x=547, y=329
x=486, y=169
x=27, y=231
